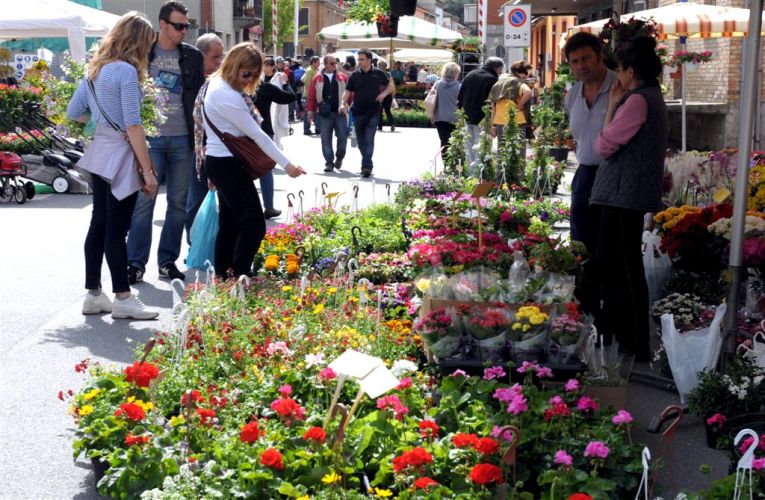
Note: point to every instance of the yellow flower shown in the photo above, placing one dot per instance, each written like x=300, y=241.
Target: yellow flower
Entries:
x=330, y=478
x=176, y=421
x=304, y=497
x=526, y=328
x=517, y=326
x=91, y=394
x=383, y=493
x=86, y=410
x=318, y=309
x=286, y=288
x=331, y=290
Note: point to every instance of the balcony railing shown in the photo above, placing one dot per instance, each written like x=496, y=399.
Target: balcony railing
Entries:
x=248, y=8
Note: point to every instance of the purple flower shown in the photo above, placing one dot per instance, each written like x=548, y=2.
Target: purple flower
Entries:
x=596, y=449
x=622, y=417
x=587, y=405
x=493, y=372
x=563, y=458
x=458, y=373
x=572, y=385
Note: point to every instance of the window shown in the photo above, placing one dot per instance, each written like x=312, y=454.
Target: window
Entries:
x=303, y=21
x=638, y=5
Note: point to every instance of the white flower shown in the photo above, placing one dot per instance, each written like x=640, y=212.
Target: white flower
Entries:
x=402, y=367
x=312, y=360
x=758, y=379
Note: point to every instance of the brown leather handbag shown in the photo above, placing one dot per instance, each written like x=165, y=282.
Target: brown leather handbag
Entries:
x=255, y=161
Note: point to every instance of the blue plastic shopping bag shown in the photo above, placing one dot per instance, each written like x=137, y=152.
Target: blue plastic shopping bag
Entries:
x=204, y=231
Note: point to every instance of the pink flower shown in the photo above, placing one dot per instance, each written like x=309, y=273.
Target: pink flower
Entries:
x=496, y=433
x=572, y=385
x=393, y=403
x=555, y=400
x=563, y=458
x=527, y=366
x=758, y=464
x=493, y=372
x=544, y=372
x=507, y=394
x=327, y=374
x=587, y=405
x=458, y=373
x=405, y=383
x=622, y=417
x=285, y=390
x=717, y=419
x=518, y=405
x=596, y=449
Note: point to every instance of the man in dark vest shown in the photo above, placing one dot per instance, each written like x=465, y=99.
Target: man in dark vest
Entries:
x=324, y=97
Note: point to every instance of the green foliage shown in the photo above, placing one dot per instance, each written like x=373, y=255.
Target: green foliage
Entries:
x=366, y=11
x=511, y=157
x=455, y=160
x=409, y=118
x=285, y=23
x=486, y=168
x=550, y=115
x=718, y=393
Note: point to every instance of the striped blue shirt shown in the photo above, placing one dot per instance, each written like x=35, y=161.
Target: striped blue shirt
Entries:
x=118, y=92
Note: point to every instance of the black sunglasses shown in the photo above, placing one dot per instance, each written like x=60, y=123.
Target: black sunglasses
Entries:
x=178, y=26
x=247, y=74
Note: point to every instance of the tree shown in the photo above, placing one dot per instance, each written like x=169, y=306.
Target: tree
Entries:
x=285, y=22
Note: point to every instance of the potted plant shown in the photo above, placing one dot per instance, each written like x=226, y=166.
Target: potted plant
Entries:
x=528, y=333
x=440, y=330
x=690, y=58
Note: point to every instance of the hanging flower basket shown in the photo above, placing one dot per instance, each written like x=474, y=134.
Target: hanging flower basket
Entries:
x=387, y=26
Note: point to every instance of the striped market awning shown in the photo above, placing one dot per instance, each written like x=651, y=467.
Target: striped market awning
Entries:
x=690, y=20
x=411, y=29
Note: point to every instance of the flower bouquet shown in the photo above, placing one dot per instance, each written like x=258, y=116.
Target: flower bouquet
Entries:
x=433, y=284
x=528, y=333
x=567, y=334
x=440, y=330
x=488, y=327
x=480, y=285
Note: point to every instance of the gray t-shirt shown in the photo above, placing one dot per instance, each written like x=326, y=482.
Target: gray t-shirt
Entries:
x=585, y=121
x=167, y=73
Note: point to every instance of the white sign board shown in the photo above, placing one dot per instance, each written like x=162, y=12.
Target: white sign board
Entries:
x=517, y=22
x=23, y=61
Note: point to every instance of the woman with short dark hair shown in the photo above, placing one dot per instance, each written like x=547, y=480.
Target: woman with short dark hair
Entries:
x=627, y=185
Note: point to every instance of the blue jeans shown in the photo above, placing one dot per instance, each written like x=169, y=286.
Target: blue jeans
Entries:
x=307, y=124
x=173, y=158
x=339, y=124
x=195, y=197
x=267, y=189
x=366, y=126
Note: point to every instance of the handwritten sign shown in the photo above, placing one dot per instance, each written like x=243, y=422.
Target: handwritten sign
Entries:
x=355, y=364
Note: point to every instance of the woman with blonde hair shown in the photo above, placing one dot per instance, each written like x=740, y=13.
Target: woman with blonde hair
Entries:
x=117, y=157
x=228, y=106
x=447, y=89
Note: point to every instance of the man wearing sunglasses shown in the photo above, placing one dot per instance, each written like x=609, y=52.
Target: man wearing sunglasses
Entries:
x=370, y=87
x=179, y=68
x=324, y=97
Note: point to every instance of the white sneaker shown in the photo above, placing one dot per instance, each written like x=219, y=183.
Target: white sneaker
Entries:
x=96, y=304
x=132, y=308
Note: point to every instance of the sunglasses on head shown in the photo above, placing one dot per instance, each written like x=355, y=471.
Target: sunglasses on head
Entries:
x=179, y=26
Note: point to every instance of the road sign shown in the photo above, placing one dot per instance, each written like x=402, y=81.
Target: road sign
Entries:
x=517, y=23
x=24, y=62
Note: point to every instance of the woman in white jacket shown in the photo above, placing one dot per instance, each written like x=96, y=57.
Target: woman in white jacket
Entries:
x=279, y=112
x=229, y=107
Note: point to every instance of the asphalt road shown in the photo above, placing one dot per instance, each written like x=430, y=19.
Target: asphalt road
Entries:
x=43, y=335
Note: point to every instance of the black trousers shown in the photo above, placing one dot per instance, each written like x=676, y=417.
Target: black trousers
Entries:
x=242, y=225
x=445, y=130
x=581, y=187
x=107, y=235
x=617, y=264
x=386, y=108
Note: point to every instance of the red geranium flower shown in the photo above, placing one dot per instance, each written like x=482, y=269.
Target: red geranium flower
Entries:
x=486, y=446
x=196, y=397
x=250, y=432
x=206, y=415
x=423, y=483
x=272, y=459
x=131, y=440
x=316, y=434
x=415, y=458
x=141, y=373
x=580, y=496
x=428, y=429
x=485, y=474
x=288, y=409
x=462, y=440
x=131, y=410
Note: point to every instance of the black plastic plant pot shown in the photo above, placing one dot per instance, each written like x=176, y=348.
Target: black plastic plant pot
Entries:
x=403, y=7
x=388, y=28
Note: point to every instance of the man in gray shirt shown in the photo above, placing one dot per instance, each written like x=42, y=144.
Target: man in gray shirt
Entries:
x=586, y=106
x=179, y=68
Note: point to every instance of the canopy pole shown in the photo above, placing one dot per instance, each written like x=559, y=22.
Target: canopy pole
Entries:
x=751, y=63
x=684, y=125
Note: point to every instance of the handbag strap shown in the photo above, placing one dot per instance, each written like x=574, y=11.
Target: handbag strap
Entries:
x=101, y=109
x=211, y=124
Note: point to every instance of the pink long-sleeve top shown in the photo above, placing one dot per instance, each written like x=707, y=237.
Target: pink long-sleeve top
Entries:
x=625, y=124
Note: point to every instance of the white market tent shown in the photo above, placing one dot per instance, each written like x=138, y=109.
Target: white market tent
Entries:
x=413, y=32
x=424, y=56
x=340, y=55
x=55, y=18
